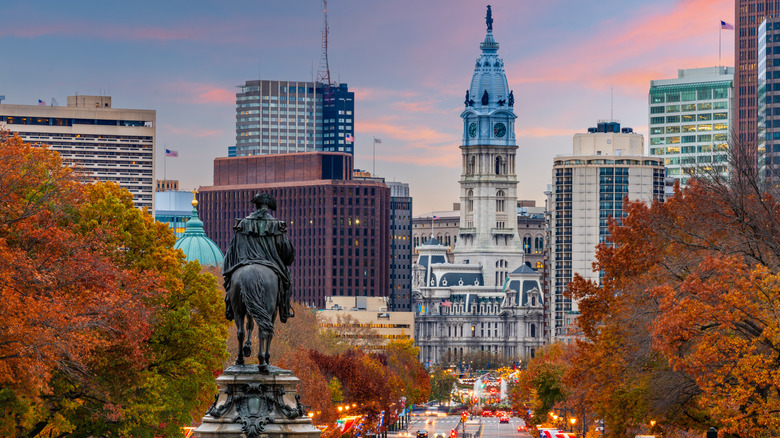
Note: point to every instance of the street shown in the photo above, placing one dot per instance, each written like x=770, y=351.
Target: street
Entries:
x=491, y=427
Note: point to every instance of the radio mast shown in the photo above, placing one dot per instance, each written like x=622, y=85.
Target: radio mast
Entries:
x=323, y=74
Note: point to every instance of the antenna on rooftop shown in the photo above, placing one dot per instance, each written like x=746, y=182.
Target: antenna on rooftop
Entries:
x=323, y=74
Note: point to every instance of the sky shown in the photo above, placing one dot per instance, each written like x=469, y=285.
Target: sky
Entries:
x=570, y=63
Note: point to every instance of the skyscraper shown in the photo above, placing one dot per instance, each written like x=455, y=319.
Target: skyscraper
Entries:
x=690, y=121
x=606, y=165
x=768, y=120
x=339, y=226
x=338, y=119
x=280, y=117
x=400, y=247
x=749, y=15
x=103, y=143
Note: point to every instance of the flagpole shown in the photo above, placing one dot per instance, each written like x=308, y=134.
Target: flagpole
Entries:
x=720, y=31
x=165, y=164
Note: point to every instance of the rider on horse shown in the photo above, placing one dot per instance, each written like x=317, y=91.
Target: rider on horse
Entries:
x=261, y=239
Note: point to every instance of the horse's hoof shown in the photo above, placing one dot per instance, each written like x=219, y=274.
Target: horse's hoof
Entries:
x=263, y=368
x=247, y=350
x=239, y=361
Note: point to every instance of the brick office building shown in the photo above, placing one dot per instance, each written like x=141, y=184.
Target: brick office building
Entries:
x=340, y=227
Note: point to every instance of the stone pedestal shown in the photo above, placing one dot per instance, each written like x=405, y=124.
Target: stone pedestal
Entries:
x=250, y=404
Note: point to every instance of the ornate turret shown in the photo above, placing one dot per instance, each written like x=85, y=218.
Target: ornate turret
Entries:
x=489, y=115
x=196, y=245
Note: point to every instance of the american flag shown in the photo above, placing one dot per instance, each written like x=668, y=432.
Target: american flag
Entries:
x=170, y=153
x=41, y=103
x=349, y=138
x=724, y=25
x=446, y=303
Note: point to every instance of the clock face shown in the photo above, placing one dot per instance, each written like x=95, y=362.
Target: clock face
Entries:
x=473, y=130
x=499, y=129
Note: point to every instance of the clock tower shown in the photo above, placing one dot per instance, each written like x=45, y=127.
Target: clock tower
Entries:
x=488, y=183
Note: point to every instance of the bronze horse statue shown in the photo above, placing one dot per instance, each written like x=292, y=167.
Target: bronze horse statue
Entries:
x=257, y=281
x=254, y=297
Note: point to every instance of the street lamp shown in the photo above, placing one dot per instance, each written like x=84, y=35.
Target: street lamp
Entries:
x=572, y=420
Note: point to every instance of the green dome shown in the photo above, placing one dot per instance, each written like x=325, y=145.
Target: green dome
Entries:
x=196, y=245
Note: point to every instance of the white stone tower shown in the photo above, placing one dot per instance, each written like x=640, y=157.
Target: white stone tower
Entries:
x=488, y=184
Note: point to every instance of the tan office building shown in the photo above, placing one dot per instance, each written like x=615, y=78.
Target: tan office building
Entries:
x=104, y=143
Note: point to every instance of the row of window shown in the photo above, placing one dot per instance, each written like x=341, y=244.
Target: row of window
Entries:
x=676, y=140
x=688, y=107
x=703, y=93
x=698, y=149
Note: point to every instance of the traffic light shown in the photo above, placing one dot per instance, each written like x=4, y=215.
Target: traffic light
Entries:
x=453, y=433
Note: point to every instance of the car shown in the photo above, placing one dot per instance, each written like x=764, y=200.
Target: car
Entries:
x=403, y=434
x=422, y=433
x=438, y=434
x=503, y=420
x=522, y=428
x=487, y=413
x=430, y=421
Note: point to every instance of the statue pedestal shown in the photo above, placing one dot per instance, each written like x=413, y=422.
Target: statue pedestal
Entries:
x=250, y=404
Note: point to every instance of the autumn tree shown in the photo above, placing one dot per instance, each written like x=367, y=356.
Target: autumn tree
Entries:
x=402, y=362
x=104, y=328
x=313, y=388
x=682, y=329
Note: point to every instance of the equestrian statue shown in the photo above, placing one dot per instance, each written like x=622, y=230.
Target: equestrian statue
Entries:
x=257, y=280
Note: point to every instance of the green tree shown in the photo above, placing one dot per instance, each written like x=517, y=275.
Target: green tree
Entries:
x=442, y=384
x=336, y=393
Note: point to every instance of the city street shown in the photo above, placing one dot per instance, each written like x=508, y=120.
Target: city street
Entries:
x=491, y=427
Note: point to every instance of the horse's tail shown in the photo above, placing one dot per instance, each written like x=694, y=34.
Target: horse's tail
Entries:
x=253, y=293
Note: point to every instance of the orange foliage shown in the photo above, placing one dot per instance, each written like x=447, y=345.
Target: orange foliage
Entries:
x=683, y=328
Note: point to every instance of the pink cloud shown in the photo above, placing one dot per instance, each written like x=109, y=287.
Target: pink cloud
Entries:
x=412, y=143
x=191, y=131
x=542, y=132
x=200, y=93
x=629, y=54
x=218, y=95
x=95, y=30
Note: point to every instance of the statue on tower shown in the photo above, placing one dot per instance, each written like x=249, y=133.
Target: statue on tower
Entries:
x=512, y=98
x=489, y=19
x=485, y=98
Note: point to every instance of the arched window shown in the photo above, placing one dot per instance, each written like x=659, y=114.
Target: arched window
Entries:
x=472, y=165
x=538, y=245
x=527, y=244
x=502, y=272
x=500, y=195
x=533, y=330
x=498, y=166
x=470, y=201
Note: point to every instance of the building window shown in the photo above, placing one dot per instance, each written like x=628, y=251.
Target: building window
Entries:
x=500, y=201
